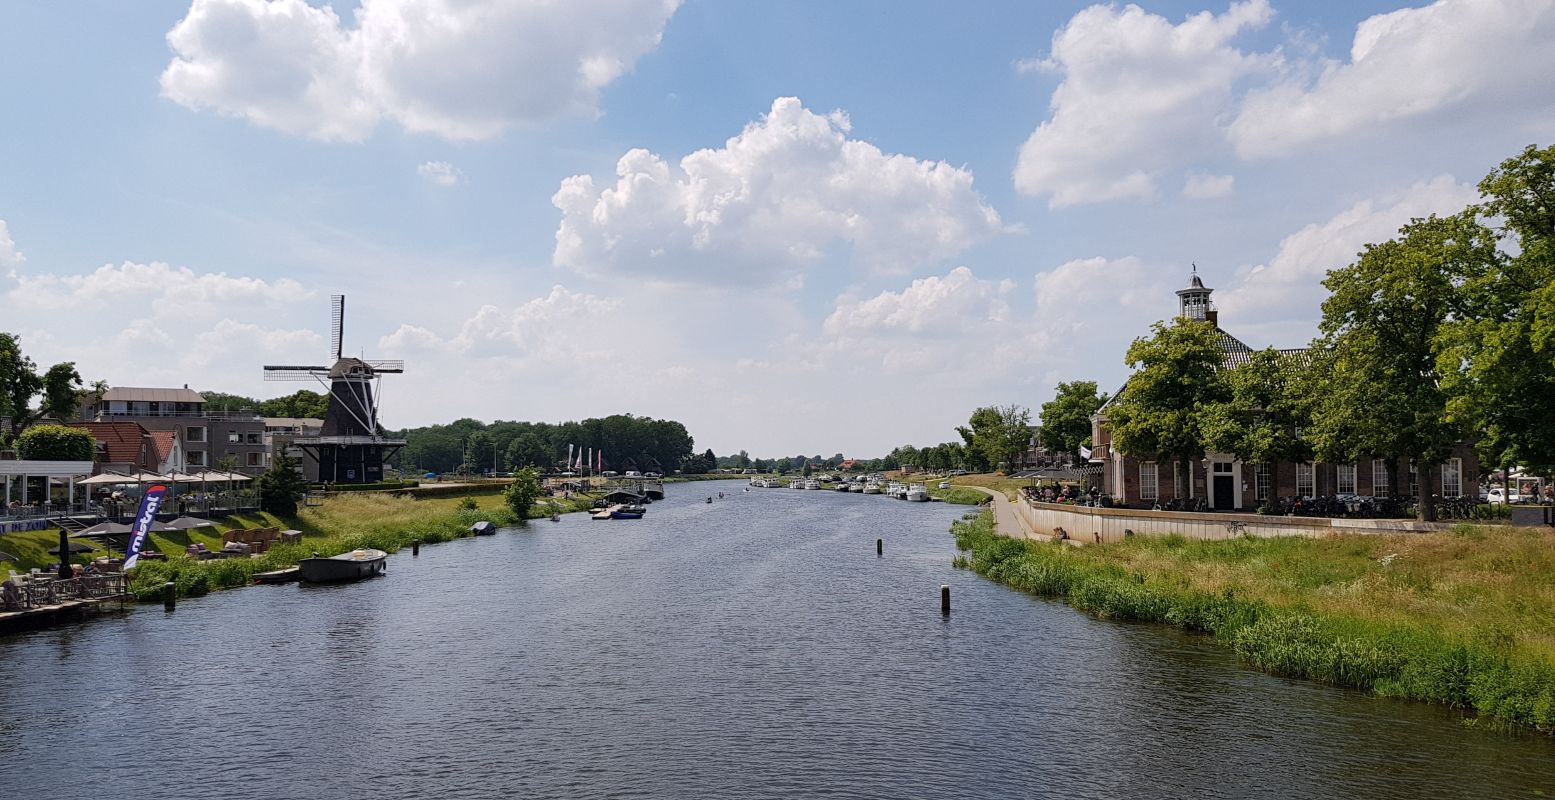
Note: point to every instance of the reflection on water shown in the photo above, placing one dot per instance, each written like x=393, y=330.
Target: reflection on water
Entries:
x=752, y=647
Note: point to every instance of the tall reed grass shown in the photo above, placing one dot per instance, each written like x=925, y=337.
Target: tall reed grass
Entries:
x=1483, y=667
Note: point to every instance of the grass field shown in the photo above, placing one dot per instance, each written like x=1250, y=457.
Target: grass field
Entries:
x=1464, y=618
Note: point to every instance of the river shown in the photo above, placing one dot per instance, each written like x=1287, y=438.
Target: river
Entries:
x=752, y=647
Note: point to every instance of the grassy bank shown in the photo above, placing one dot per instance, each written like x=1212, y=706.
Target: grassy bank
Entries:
x=345, y=522
x=1466, y=619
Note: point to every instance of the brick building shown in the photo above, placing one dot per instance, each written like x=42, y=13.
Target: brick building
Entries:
x=201, y=438
x=1225, y=482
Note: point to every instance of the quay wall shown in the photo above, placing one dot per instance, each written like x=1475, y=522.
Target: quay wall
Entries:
x=1084, y=524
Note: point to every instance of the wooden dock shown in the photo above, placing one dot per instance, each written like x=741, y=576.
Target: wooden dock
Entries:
x=30, y=606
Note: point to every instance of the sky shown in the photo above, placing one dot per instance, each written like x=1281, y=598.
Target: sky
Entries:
x=797, y=227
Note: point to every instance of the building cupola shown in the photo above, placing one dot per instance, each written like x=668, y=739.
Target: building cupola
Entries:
x=1194, y=303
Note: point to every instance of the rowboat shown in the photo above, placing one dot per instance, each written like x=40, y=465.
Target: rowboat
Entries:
x=352, y=566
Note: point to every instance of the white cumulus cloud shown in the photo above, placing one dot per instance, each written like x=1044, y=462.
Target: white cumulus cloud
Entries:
x=1139, y=96
x=932, y=305
x=1290, y=287
x=440, y=173
x=1489, y=58
x=783, y=193
x=10, y=256
x=459, y=69
x=163, y=288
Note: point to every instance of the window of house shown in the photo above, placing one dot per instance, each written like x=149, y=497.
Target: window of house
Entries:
x=1149, y=481
x=194, y=434
x=1304, y=483
x=233, y=437
x=195, y=458
x=1379, y=478
x=1452, y=478
x=1344, y=479
x=1261, y=481
x=253, y=458
x=253, y=437
x=1222, y=467
x=1414, y=481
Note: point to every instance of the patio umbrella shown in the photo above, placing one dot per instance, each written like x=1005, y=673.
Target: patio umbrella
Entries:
x=105, y=479
x=73, y=547
x=186, y=523
x=103, y=528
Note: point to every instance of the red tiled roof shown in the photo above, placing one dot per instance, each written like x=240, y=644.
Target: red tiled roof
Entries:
x=163, y=441
x=123, y=442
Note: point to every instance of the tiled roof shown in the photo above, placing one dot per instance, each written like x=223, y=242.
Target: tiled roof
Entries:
x=134, y=394
x=163, y=442
x=123, y=442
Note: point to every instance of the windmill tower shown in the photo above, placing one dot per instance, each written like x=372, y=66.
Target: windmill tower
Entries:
x=351, y=447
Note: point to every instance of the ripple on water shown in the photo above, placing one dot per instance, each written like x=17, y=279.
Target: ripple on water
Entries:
x=752, y=647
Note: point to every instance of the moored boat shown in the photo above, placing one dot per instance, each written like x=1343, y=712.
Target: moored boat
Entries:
x=352, y=566
x=484, y=528
x=917, y=493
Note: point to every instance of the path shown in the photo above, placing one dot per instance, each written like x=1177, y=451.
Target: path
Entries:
x=1006, y=521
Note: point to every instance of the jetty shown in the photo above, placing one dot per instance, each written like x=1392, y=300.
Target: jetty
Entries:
x=40, y=602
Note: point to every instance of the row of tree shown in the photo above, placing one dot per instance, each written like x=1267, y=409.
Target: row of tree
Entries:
x=301, y=404
x=627, y=442
x=1443, y=334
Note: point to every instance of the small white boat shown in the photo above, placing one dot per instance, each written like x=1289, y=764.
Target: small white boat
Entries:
x=841, y=486
x=811, y=483
x=917, y=493
x=856, y=487
x=872, y=488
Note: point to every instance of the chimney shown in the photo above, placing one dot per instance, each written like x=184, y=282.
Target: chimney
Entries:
x=1212, y=316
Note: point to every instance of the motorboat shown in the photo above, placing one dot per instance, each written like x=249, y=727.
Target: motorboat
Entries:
x=917, y=493
x=628, y=512
x=856, y=488
x=872, y=488
x=811, y=483
x=352, y=566
x=842, y=486
x=796, y=484
x=484, y=528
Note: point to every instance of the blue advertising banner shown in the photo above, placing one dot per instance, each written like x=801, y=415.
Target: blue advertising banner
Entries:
x=149, y=503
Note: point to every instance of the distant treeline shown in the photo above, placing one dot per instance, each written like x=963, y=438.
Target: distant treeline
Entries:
x=627, y=442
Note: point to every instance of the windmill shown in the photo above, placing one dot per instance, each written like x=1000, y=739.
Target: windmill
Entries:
x=351, y=447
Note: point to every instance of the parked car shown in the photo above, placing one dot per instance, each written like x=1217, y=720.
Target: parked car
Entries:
x=650, y=475
x=944, y=484
x=1501, y=496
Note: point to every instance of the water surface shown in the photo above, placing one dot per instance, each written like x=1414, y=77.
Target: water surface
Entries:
x=751, y=647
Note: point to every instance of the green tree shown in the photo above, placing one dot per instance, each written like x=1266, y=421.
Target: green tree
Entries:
x=1268, y=405
x=303, y=403
x=1066, y=419
x=20, y=383
x=281, y=487
x=222, y=401
x=1381, y=393
x=1176, y=373
x=978, y=431
x=1497, y=361
x=521, y=494
x=56, y=443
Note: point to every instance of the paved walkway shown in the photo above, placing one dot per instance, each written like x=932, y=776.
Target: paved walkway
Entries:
x=1006, y=521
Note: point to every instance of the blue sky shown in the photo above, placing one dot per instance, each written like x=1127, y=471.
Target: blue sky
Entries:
x=961, y=205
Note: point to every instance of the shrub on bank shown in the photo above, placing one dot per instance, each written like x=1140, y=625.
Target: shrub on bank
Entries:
x=1486, y=672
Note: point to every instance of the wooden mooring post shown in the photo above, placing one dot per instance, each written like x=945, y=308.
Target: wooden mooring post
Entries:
x=944, y=598
x=879, y=547
x=169, y=596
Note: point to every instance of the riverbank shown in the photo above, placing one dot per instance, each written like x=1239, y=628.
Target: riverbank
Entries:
x=1465, y=619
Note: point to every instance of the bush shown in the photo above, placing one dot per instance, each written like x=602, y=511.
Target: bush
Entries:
x=56, y=443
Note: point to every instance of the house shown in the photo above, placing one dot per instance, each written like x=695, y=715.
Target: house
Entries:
x=1224, y=482
x=204, y=437
x=122, y=447
x=280, y=435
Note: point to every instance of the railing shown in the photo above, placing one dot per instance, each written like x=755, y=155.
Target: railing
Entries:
x=37, y=591
x=210, y=414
